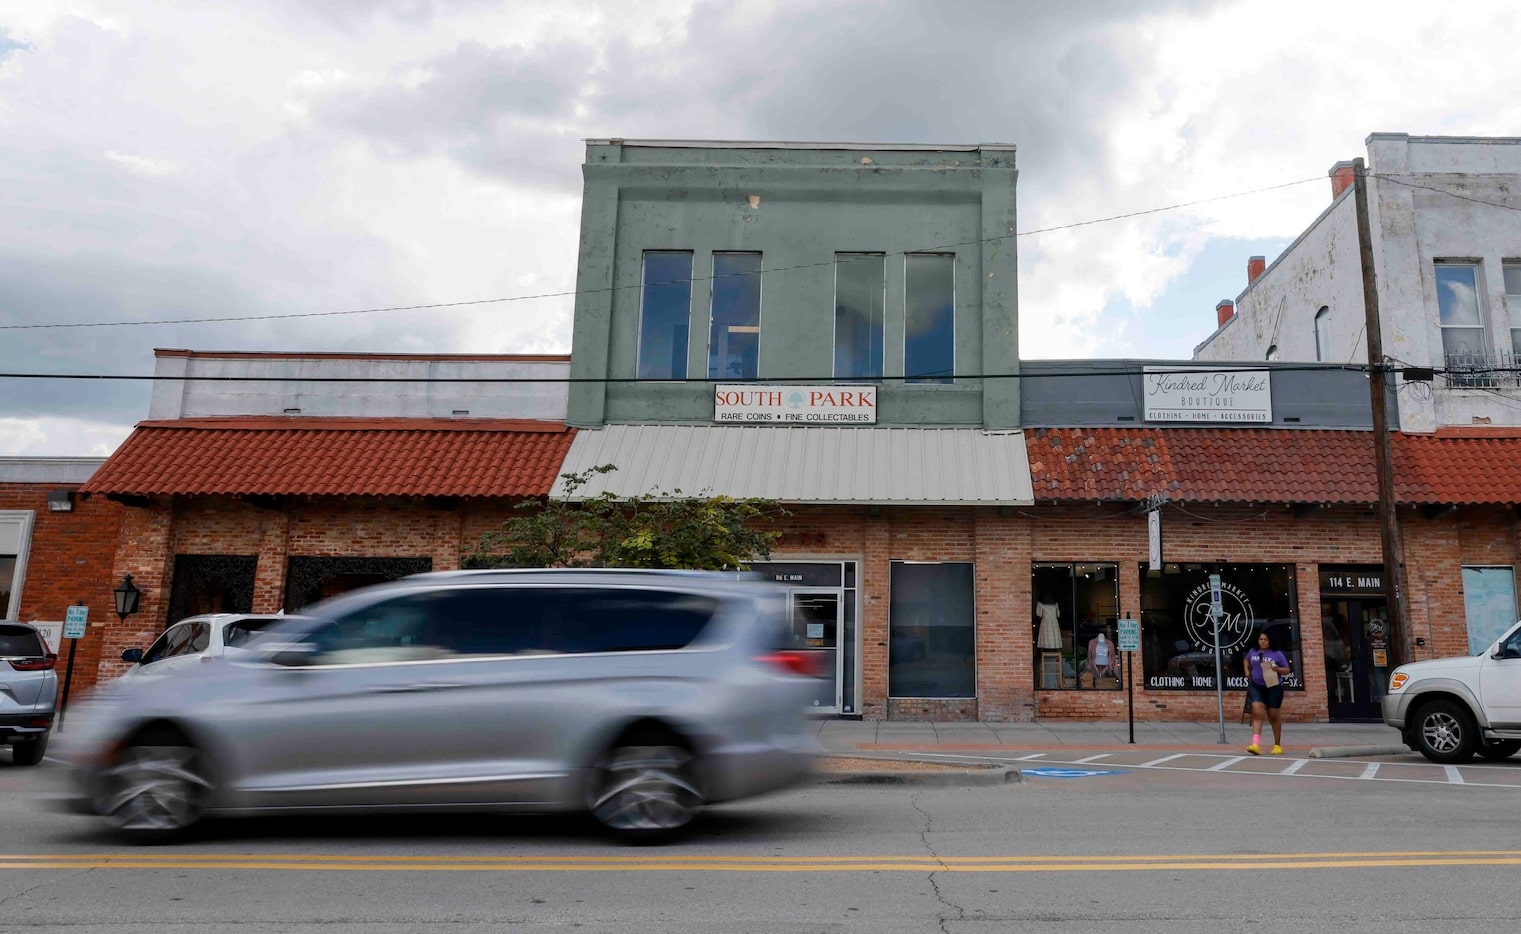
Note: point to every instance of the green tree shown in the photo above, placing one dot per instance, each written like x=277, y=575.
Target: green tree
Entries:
x=652, y=530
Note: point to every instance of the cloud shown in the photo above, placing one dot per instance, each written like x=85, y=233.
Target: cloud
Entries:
x=244, y=157
x=50, y=437
x=142, y=164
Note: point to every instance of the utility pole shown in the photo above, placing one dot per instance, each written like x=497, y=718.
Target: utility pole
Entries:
x=1383, y=458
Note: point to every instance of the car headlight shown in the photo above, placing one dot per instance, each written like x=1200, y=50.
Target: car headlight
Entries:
x=1398, y=681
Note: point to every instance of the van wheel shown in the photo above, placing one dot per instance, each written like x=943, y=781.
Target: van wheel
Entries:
x=645, y=788
x=1500, y=750
x=29, y=751
x=1446, y=732
x=157, y=789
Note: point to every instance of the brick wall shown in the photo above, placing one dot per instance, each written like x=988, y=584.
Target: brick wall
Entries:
x=1004, y=544
x=70, y=561
x=1001, y=543
x=357, y=527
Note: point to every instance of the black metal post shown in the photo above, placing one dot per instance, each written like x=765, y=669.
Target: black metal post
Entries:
x=68, y=677
x=1130, y=693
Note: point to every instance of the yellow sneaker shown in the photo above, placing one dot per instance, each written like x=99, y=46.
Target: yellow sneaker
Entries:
x=1254, y=749
x=1277, y=750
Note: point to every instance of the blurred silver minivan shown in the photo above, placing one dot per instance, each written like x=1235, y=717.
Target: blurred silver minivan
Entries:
x=635, y=695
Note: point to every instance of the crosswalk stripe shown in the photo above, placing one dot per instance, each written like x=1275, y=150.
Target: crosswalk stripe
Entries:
x=1162, y=760
x=1296, y=766
x=1222, y=766
x=1454, y=776
x=1369, y=770
x=1102, y=755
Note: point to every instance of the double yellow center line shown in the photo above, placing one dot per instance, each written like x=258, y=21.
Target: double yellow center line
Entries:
x=289, y=862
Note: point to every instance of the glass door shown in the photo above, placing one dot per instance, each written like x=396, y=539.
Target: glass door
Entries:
x=1355, y=638
x=815, y=619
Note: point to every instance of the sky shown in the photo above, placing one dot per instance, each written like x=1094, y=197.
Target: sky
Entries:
x=218, y=158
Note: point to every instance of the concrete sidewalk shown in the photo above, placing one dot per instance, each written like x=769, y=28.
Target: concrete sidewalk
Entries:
x=857, y=736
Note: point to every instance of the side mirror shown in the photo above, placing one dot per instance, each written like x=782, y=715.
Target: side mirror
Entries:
x=293, y=654
x=134, y=656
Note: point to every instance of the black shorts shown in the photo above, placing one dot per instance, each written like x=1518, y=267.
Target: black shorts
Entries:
x=1272, y=697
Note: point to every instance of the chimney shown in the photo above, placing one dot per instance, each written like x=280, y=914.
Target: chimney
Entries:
x=1225, y=311
x=1341, y=178
x=1254, y=268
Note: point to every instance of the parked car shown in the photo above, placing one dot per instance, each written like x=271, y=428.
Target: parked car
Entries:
x=194, y=639
x=1448, y=709
x=636, y=696
x=28, y=692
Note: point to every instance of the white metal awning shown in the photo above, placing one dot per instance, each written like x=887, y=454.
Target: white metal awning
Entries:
x=886, y=466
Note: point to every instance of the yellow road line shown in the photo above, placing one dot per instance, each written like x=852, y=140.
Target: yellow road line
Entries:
x=184, y=856
x=757, y=864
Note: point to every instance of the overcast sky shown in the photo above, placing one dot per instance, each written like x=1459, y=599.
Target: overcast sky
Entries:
x=195, y=159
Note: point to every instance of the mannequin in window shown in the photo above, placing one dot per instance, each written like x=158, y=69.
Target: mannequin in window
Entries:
x=1049, y=613
x=1103, y=660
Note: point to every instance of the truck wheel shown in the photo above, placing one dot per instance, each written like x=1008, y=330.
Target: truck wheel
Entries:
x=1500, y=749
x=1445, y=732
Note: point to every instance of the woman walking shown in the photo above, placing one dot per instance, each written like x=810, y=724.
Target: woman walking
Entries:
x=1265, y=667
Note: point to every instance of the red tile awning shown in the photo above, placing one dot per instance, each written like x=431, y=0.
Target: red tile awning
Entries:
x=1270, y=465
x=301, y=456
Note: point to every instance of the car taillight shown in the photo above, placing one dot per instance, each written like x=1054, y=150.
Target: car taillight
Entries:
x=35, y=664
x=793, y=663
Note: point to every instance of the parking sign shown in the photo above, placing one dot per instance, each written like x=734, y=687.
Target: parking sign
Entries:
x=75, y=619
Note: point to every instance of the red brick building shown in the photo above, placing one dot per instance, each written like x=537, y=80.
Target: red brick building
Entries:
x=57, y=549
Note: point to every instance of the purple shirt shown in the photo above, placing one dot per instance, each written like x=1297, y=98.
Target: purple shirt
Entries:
x=1254, y=663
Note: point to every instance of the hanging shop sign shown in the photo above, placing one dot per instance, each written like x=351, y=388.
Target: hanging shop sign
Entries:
x=798, y=405
x=1185, y=394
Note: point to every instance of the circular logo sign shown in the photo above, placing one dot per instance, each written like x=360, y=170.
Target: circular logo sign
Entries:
x=1237, y=621
x=795, y=399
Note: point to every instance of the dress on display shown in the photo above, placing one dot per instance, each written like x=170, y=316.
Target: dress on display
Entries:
x=1050, y=634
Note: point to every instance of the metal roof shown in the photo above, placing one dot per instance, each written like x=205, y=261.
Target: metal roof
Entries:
x=65, y=470
x=885, y=466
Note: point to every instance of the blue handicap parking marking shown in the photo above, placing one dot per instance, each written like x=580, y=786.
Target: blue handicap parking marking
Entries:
x=1071, y=773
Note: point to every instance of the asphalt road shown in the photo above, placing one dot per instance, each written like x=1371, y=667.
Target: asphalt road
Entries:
x=1144, y=850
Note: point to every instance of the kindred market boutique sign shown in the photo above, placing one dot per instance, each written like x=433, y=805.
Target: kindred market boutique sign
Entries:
x=802, y=405
x=1186, y=394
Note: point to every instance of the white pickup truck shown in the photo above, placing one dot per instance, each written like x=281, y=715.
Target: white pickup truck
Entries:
x=1448, y=709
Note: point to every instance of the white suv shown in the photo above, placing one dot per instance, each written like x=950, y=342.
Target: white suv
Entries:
x=1448, y=709
x=196, y=638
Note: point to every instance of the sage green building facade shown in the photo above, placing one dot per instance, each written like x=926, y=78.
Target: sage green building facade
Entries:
x=787, y=216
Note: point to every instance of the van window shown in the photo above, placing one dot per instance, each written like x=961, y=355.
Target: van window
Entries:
x=618, y=619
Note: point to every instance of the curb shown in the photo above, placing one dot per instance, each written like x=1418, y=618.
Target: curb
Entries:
x=1346, y=752
x=969, y=776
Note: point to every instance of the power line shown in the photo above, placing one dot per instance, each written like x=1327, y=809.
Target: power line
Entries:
x=750, y=381
x=617, y=288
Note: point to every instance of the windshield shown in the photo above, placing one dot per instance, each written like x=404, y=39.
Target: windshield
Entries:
x=239, y=633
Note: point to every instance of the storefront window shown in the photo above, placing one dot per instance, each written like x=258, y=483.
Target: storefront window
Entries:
x=932, y=646
x=1177, y=628
x=1076, y=615
x=1489, y=604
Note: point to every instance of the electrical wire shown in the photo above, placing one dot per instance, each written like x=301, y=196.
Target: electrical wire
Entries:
x=637, y=285
x=736, y=381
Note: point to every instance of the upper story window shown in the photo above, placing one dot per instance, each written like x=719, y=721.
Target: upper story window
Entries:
x=1457, y=287
x=1322, y=334
x=15, y=534
x=929, y=317
x=665, y=315
x=860, y=295
x=734, y=343
x=1513, y=305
